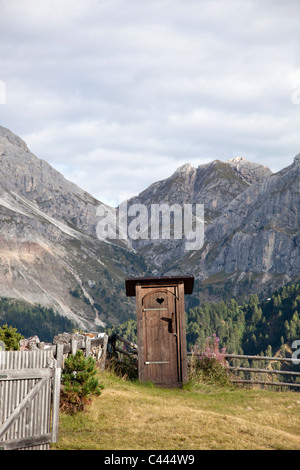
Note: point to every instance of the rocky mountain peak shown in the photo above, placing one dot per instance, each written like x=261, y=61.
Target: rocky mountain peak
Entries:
x=186, y=168
x=245, y=170
x=250, y=171
x=8, y=138
x=237, y=160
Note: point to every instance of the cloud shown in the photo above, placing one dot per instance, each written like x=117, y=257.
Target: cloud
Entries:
x=118, y=93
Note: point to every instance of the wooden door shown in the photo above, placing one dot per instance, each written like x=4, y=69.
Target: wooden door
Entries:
x=160, y=336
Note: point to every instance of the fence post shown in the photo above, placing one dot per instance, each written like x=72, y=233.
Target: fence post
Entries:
x=87, y=346
x=56, y=400
x=60, y=355
x=74, y=343
x=104, y=351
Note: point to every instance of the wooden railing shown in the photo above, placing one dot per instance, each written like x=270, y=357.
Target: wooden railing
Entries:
x=263, y=371
x=133, y=352
x=114, y=338
x=127, y=364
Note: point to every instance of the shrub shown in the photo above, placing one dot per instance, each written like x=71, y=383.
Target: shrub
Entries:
x=210, y=365
x=10, y=338
x=79, y=382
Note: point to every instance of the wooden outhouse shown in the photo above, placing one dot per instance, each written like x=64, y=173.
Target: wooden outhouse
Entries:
x=161, y=332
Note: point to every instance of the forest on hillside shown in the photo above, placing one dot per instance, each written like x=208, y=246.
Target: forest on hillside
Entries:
x=31, y=320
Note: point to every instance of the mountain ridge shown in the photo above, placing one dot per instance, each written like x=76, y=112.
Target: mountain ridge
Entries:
x=50, y=252
x=48, y=242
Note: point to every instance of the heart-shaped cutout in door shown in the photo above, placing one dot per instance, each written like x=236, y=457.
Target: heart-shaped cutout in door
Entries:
x=160, y=300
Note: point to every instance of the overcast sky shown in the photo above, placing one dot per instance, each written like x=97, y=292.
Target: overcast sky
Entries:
x=117, y=94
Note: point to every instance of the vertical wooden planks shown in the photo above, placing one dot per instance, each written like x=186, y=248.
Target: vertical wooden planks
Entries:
x=26, y=399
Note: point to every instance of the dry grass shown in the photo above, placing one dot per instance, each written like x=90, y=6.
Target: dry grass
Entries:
x=133, y=416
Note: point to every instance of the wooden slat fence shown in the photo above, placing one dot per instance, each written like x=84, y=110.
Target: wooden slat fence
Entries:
x=94, y=347
x=29, y=399
x=30, y=390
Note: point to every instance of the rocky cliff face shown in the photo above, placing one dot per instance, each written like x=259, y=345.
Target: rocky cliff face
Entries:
x=260, y=230
x=215, y=185
x=252, y=226
x=24, y=175
x=254, y=245
x=49, y=251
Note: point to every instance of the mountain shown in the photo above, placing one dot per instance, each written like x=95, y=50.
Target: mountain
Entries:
x=49, y=250
x=251, y=240
x=215, y=185
x=255, y=243
x=51, y=254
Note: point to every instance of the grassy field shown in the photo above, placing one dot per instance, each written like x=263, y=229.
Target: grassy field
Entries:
x=134, y=416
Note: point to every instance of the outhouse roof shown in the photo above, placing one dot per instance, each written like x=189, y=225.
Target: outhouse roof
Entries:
x=131, y=282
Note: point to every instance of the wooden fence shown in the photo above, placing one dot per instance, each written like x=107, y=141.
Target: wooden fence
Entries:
x=94, y=347
x=69, y=343
x=255, y=372
x=29, y=399
x=128, y=362
x=113, y=348
x=30, y=389
x=30, y=384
